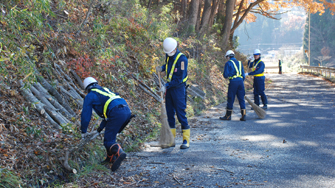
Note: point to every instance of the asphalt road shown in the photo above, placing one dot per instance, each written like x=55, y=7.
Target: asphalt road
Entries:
x=294, y=146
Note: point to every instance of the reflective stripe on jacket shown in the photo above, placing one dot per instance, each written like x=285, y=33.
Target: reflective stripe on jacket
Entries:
x=109, y=94
x=239, y=72
x=169, y=76
x=254, y=68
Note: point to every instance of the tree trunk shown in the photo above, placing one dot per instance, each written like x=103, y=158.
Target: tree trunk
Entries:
x=216, y=4
x=197, y=26
x=192, y=21
x=184, y=8
x=221, y=10
x=206, y=16
x=238, y=12
x=230, y=5
x=246, y=12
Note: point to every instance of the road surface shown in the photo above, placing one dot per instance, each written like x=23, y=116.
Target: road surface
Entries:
x=294, y=146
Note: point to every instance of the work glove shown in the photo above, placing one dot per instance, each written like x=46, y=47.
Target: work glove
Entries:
x=162, y=89
x=246, y=74
x=83, y=135
x=250, y=58
x=159, y=69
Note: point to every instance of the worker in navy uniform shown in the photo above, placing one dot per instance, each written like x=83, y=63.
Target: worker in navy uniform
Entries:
x=234, y=71
x=176, y=72
x=280, y=66
x=257, y=67
x=115, y=112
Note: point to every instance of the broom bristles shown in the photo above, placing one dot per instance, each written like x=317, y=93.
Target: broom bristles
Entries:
x=258, y=110
x=166, y=136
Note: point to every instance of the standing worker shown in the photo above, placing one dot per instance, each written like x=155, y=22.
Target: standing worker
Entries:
x=234, y=71
x=175, y=99
x=115, y=112
x=257, y=67
x=280, y=66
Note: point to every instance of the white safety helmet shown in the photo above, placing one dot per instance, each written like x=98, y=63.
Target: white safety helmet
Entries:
x=230, y=53
x=88, y=81
x=169, y=45
x=257, y=52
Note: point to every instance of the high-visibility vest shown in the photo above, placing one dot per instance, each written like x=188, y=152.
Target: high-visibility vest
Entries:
x=169, y=76
x=109, y=94
x=238, y=72
x=254, y=68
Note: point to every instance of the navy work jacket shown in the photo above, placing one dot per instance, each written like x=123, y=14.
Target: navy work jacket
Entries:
x=178, y=74
x=230, y=70
x=259, y=69
x=96, y=101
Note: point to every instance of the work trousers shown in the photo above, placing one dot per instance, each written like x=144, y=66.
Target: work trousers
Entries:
x=175, y=102
x=116, y=118
x=236, y=87
x=259, y=88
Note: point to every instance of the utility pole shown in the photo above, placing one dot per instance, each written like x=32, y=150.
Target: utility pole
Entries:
x=309, y=38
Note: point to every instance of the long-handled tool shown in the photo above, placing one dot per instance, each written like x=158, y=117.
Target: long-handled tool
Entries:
x=258, y=110
x=166, y=137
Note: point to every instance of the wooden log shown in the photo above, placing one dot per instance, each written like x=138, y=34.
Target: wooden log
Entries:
x=147, y=89
x=56, y=94
x=28, y=95
x=71, y=96
x=54, y=102
x=42, y=98
x=150, y=93
x=63, y=75
x=77, y=78
x=78, y=90
x=56, y=117
x=73, y=91
x=52, y=111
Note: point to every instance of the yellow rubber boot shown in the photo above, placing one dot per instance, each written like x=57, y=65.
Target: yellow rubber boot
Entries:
x=186, y=139
x=173, y=130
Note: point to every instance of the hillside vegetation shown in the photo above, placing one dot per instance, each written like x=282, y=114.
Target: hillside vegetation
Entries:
x=61, y=42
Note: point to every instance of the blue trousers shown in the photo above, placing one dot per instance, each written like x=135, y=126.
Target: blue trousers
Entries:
x=175, y=102
x=236, y=87
x=116, y=117
x=259, y=88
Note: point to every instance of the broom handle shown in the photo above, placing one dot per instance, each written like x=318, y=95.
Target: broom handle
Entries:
x=160, y=86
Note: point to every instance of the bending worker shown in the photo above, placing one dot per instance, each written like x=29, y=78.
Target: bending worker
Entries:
x=234, y=71
x=115, y=112
x=175, y=100
x=257, y=67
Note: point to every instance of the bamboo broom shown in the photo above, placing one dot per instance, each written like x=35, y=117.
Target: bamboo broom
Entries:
x=166, y=137
x=259, y=111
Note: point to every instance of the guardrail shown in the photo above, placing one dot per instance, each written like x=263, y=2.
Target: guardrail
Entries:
x=271, y=67
x=324, y=71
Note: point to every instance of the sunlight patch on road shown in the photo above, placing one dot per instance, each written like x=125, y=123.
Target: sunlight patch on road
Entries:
x=280, y=144
x=309, y=143
x=258, y=138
